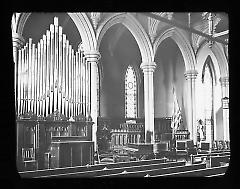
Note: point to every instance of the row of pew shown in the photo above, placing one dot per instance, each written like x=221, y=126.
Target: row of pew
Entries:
x=59, y=171
x=144, y=168
x=215, y=159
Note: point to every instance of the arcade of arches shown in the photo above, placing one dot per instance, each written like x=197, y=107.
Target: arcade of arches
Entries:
x=133, y=64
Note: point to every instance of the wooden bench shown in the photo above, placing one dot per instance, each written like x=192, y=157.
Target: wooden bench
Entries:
x=45, y=173
x=215, y=161
x=119, y=171
x=194, y=158
x=207, y=172
x=163, y=170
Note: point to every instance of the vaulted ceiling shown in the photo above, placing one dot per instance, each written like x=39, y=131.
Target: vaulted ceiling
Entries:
x=38, y=23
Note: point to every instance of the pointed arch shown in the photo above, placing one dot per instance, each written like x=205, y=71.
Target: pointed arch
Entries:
x=82, y=23
x=216, y=52
x=209, y=65
x=207, y=55
x=136, y=29
x=183, y=43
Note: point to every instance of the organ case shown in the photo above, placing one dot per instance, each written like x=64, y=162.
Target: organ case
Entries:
x=52, y=93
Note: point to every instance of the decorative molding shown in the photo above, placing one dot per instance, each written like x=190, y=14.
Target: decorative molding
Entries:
x=18, y=40
x=56, y=116
x=225, y=103
x=148, y=67
x=80, y=117
x=224, y=81
x=95, y=17
x=92, y=56
x=191, y=74
x=28, y=116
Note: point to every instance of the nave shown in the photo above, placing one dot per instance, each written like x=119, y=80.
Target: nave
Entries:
x=121, y=94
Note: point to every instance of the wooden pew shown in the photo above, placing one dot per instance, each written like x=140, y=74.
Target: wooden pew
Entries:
x=120, y=170
x=207, y=172
x=165, y=170
x=215, y=160
x=46, y=172
x=193, y=158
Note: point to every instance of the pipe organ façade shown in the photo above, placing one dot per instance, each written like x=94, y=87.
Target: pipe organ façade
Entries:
x=53, y=99
x=51, y=76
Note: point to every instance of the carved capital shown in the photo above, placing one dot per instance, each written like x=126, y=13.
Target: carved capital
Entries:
x=18, y=40
x=190, y=74
x=92, y=56
x=148, y=67
x=225, y=103
x=224, y=81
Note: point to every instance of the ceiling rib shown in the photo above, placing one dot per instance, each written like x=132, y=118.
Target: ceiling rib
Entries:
x=174, y=23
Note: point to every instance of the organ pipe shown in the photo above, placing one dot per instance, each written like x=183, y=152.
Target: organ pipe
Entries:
x=51, y=76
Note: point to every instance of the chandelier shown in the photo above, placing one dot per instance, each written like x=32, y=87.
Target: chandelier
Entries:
x=209, y=16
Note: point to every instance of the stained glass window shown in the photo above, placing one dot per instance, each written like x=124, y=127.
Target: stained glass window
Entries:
x=130, y=93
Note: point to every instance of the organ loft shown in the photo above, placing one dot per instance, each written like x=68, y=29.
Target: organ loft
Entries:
x=102, y=94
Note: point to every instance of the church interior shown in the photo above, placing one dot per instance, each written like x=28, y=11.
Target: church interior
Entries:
x=121, y=94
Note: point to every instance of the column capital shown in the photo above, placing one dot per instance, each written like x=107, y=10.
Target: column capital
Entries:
x=224, y=81
x=225, y=103
x=148, y=67
x=17, y=40
x=92, y=56
x=191, y=74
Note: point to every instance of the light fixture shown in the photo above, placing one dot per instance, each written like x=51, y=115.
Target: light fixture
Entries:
x=209, y=16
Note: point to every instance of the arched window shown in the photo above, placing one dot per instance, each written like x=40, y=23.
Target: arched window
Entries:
x=130, y=93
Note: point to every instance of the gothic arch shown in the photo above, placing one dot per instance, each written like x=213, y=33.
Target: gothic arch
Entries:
x=82, y=23
x=219, y=68
x=218, y=58
x=134, y=27
x=183, y=44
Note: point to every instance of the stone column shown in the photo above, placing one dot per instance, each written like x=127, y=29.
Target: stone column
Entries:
x=148, y=69
x=18, y=42
x=92, y=57
x=225, y=106
x=191, y=76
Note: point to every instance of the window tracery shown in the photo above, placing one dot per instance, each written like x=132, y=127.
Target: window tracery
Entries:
x=130, y=93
